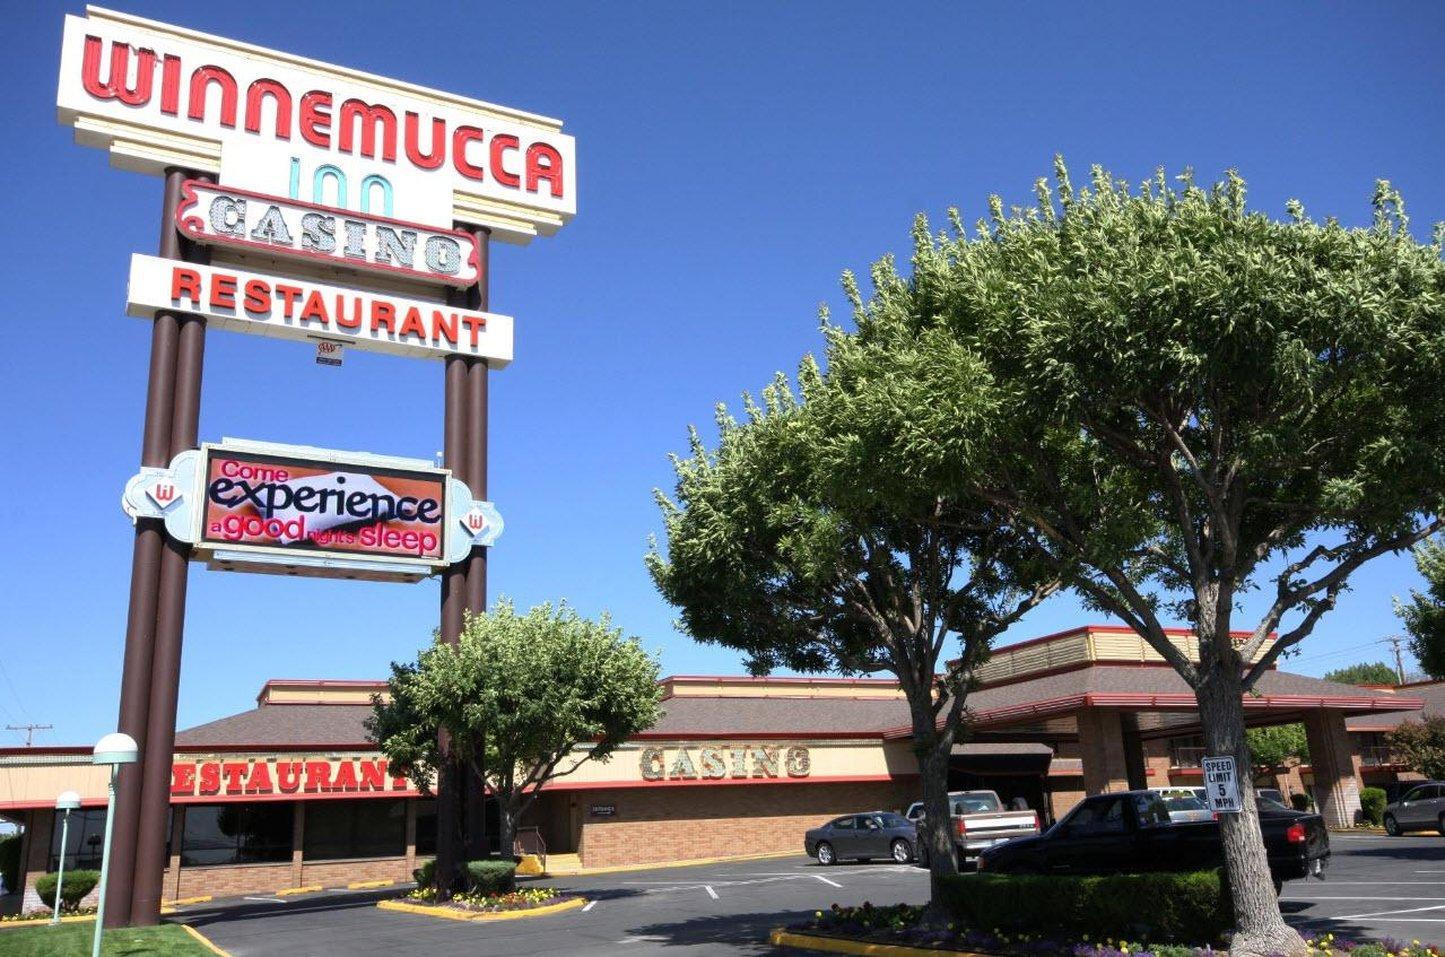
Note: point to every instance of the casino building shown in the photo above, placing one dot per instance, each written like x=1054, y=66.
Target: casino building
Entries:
x=291, y=794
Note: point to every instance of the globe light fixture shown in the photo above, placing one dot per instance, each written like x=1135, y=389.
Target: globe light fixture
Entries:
x=67, y=801
x=114, y=749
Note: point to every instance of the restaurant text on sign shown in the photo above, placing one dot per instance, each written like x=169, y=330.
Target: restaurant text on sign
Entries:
x=288, y=308
x=275, y=776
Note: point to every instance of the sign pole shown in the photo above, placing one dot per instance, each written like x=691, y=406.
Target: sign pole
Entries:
x=135, y=683
x=475, y=442
x=165, y=680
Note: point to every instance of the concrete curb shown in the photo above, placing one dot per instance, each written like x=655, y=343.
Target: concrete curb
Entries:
x=449, y=913
x=204, y=941
x=666, y=865
x=181, y=901
x=781, y=937
x=42, y=921
x=308, y=889
x=365, y=885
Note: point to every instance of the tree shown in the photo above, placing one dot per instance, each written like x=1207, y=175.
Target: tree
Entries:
x=1179, y=401
x=805, y=543
x=1276, y=745
x=1364, y=673
x=1421, y=745
x=1424, y=615
x=526, y=699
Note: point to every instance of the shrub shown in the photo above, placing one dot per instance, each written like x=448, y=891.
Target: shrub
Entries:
x=491, y=877
x=1300, y=802
x=1372, y=803
x=426, y=875
x=1190, y=908
x=77, y=885
x=10, y=862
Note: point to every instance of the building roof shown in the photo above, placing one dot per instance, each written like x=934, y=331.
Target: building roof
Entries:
x=1431, y=693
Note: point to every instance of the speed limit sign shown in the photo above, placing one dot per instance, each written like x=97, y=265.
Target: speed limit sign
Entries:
x=1221, y=785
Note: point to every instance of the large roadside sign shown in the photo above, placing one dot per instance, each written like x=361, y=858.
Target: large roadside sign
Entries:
x=1221, y=784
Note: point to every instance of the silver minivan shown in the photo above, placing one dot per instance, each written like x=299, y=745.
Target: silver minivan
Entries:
x=1423, y=806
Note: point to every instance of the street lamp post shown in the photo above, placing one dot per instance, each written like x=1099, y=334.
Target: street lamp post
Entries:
x=67, y=801
x=113, y=749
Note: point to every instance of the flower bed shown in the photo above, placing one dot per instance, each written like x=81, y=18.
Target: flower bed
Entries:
x=898, y=924
x=479, y=903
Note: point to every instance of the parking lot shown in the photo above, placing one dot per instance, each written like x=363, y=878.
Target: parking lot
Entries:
x=1375, y=887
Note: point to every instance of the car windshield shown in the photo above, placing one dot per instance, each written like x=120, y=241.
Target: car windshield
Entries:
x=1181, y=803
x=975, y=804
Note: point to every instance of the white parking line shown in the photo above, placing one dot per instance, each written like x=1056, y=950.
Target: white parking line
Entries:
x=1306, y=900
x=1389, y=913
x=710, y=892
x=826, y=881
x=588, y=906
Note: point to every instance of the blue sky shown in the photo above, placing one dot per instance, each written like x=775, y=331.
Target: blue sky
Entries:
x=733, y=159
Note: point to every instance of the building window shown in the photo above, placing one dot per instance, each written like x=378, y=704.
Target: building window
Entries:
x=337, y=830
x=237, y=833
x=83, y=841
x=1186, y=752
x=426, y=826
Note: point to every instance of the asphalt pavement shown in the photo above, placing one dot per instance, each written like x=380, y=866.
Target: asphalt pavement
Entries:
x=1375, y=887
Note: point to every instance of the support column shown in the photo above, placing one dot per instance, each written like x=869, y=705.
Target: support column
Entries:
x=165, y=681
x=1101, y=746
x=474, y=455
x=172, y=889
x=135, y=682
x=1135, y=769
x=298, y=843
x=1336, y=788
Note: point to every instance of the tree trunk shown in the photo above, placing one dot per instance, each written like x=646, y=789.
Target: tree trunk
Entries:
x=1259, y=928
x=937, y=836
x=507, y=826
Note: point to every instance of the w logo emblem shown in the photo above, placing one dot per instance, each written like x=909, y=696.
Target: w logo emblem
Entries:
x=163, y=493
x=475, y=521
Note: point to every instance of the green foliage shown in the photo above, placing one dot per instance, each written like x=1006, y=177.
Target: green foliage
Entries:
x=526, y=698
x=1424, y=614
x=1278, y=744
x=77, y=884
x=10, y=862
x=426, y=875
x=1372, y=803
x=1300, y=801
x=491, y=877
x=1364, y=673
x=1421, y=744
x=1190, y=909
x=74, y=940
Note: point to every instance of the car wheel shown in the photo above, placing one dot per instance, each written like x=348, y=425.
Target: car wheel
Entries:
x=902, y=854
x=825, y=854
x=1392, y=826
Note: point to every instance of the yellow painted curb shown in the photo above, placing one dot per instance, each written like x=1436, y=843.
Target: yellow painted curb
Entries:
x=180, y=901
x=41, y=921
x=664, y=865
x=362, y=885
x=449, y=913
x=308, y=889
x=837, y=945
x=530, y=866
x=204, y=941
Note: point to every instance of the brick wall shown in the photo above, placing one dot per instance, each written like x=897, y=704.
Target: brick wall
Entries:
x=683, y=823
x=341, y=873
x=228, y=880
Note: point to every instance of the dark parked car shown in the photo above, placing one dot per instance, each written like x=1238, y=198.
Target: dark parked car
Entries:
x=1129, y=832
x=863, y=837
x=1419, y=808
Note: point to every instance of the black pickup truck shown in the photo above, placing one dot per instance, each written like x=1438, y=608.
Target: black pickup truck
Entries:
x=1129, y=832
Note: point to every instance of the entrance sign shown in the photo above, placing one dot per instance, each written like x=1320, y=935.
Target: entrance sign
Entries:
x=1221, y=784
x=297, y=510
x=289, y=229
x=157, y=96
x=301, y=309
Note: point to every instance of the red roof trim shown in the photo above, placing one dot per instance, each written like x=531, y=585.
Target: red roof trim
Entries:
x=771, y=679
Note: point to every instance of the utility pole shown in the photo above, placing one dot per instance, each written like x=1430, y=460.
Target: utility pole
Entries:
x=1394, y=641
x=29, y=730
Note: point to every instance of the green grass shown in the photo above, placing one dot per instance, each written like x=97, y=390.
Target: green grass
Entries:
x=73, y=940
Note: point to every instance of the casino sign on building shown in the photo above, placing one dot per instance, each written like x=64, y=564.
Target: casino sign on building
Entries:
x=291, y=793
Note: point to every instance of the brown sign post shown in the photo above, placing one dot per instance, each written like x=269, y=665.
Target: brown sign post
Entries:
x=394, y=216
